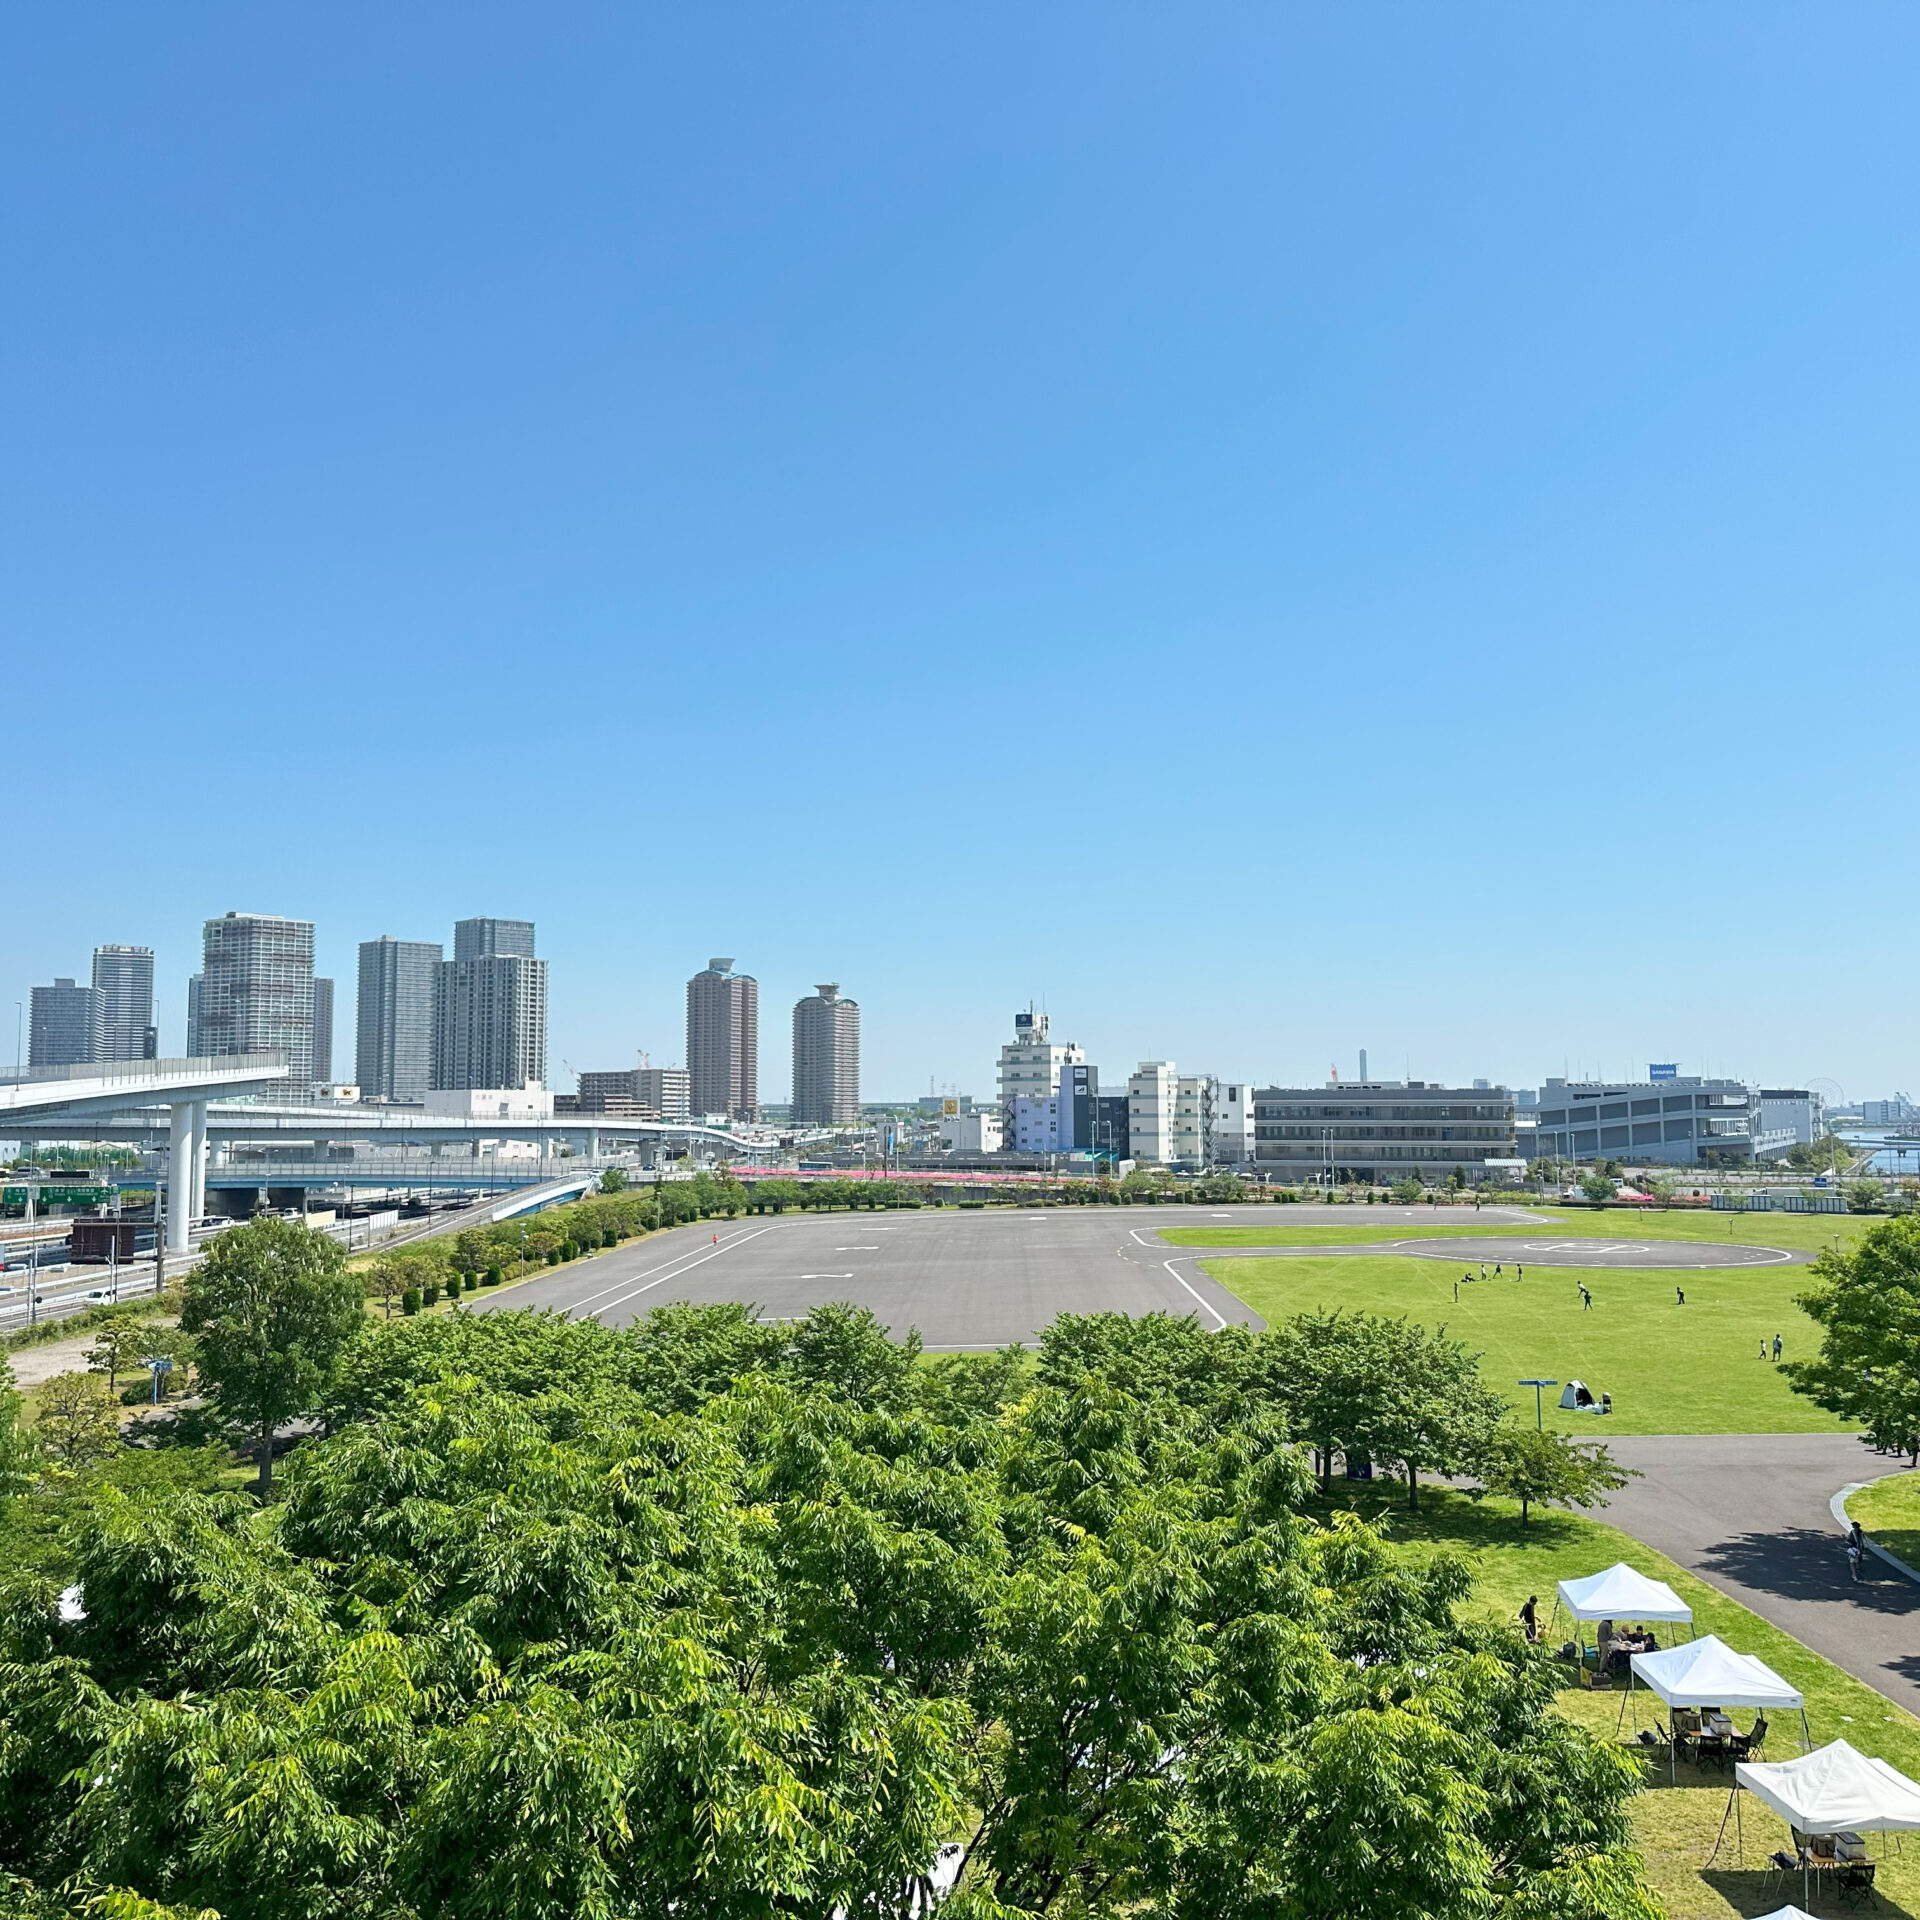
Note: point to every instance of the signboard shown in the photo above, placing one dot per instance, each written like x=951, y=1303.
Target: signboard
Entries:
x=949, y=1108
x=1668, y=1071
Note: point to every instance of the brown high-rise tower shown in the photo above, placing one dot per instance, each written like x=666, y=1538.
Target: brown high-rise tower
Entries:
x=723, y=1041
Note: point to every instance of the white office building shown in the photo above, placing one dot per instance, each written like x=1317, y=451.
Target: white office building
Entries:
x=975, y=1132
x=1232, y=1124
x=1785, y=1118
x=1031, y=1066
x=1678, y=1120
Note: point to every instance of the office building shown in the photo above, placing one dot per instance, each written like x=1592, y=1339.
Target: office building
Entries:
x=1670, y=1121
x=123, y=1003
x=1031, y=1066
x=1170, y=1115
x=490, y=1009
x=256, y=992
x=1887, y=1113
x=393, y=1018
x=723, y=1041
x=322, y=1032
x=826, y=1059
x=61, y=1025
x=638, y=1093
x=1037, y=1124
x=974, y=1132
x=1784, y=1118
x=1372, y=1133
x=1232, y=1125
x=194, y=1049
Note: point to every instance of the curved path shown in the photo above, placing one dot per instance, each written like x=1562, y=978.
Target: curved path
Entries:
x=1748, y=1513
x=1471, y=1249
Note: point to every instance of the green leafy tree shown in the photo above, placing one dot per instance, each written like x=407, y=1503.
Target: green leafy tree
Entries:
x=271, y=1308
x=116, y=1346
x=1865, y=1196
x=79, y=1420
x=613, y=1180
x=16, y=1451
x=1528, y=1464
x=1598, y=1185
x=1867, y=1305
x=1407, y=1191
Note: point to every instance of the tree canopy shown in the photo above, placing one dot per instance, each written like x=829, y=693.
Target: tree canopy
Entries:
x=1867, y=1305
x=715, y=1617
x=270, y=1308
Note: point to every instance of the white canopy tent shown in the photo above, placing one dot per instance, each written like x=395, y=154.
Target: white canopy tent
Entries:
x=1835, y=1790
x=1622, y=1593
x=1709, y=1673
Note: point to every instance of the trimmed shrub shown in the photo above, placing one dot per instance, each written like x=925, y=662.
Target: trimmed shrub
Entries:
x=432, y=1292
x=410, y=1300
x=611, y=1238
x=553, y=1256
x=493, y=1277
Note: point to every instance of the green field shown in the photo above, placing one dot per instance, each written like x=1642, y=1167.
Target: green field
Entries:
x=1799, y=1232
x=1890, y=1511
x=1675, y=1825
x=1670, y=1368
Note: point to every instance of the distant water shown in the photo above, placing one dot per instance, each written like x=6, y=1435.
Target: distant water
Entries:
x=1895, y=1162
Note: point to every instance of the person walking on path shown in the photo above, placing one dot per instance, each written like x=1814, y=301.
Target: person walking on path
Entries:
x=1855, y=1558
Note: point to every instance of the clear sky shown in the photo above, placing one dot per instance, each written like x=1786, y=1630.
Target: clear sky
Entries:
x=1268, y=529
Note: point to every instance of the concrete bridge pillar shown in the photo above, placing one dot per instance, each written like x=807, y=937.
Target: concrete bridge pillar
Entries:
x=181, y=1141
x=199, y=1201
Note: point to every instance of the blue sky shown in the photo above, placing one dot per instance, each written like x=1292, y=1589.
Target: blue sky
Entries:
x=1271, y=530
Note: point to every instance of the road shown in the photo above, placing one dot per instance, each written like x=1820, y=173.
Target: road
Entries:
x=1748, y=1512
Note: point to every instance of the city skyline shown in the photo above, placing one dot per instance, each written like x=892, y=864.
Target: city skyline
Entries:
x=1269, y=476
x=1116, y=1040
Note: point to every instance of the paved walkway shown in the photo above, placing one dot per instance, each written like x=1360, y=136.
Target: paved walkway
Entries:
x=1749, y=1513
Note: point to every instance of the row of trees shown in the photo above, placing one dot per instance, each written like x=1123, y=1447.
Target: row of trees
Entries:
x=708, y=1617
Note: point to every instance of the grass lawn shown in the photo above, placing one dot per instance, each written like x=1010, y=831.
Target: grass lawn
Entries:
x=1890, y=1511
x=1670, y=1369
x=1675, y=1825
x=1800, y=1232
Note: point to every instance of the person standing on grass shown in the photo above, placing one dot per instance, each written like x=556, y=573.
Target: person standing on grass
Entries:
x=1679, y=1296
x=1530, y=1617
x=1586, y=1299
x=1519, y=1273
x=1776, y=1346
x=1763, y=1349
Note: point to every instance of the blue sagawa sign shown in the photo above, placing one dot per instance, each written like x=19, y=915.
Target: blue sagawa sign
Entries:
x=1663, y=1071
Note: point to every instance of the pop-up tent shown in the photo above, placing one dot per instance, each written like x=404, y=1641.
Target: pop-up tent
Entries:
x=1836, y=1790
x=1708, y=1673
x=1622, y=1594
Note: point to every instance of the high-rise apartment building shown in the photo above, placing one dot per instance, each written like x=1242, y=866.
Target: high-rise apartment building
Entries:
x=322, y=1031
x=256, y=992
x=723, y=1041
x=194, y=1048
x=826, y=1059
x=123, y=1003
x=61, y=1025
x=490, y=1008
x=487, y=939
x=393, y=1018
